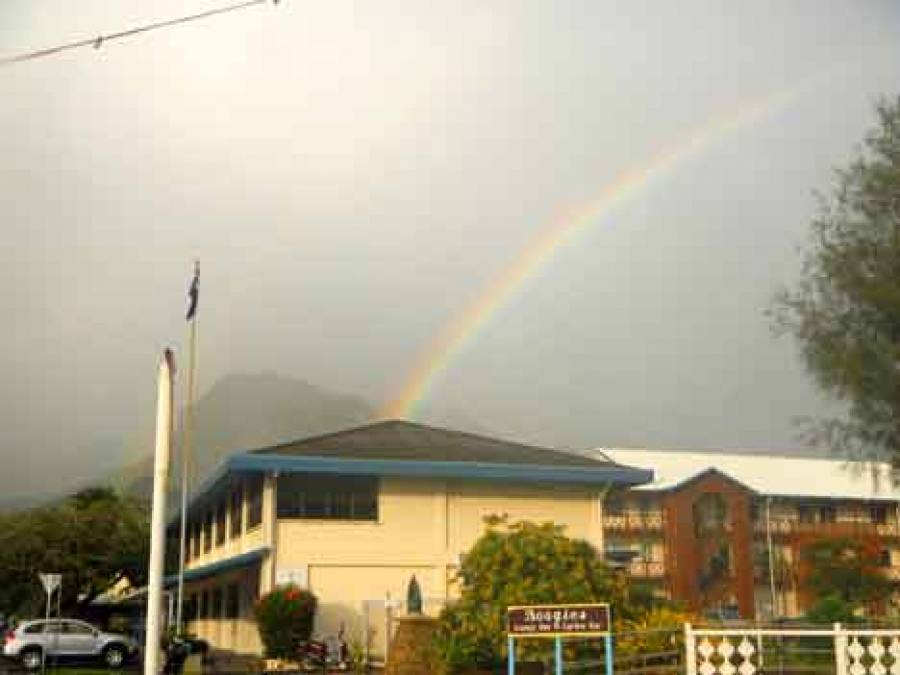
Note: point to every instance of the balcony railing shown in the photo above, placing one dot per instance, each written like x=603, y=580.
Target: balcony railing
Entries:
x=784, y=526
x=633, y=521
x=647, y=569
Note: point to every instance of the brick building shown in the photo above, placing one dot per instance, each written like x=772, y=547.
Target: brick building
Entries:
x=723, y=532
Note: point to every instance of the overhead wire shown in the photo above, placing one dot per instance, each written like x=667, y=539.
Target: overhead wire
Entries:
x=100, y=40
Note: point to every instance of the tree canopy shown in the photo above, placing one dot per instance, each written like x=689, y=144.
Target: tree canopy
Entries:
x=522, y=564
x=842, y=572
x=844, y=311
x=94, y=538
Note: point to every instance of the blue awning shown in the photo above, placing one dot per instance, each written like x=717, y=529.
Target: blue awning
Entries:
x=232, y=563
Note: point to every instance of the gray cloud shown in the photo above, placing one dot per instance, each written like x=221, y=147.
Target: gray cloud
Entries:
x=353, y=173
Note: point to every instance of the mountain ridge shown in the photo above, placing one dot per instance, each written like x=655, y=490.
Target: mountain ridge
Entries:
x=244, y=411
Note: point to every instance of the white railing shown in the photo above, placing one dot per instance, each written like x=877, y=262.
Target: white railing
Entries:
x=646, y=569
x=742, y=651
x=783, y=525
x=634, y=520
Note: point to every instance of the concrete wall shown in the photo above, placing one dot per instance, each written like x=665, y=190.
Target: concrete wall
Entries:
x=423, y=527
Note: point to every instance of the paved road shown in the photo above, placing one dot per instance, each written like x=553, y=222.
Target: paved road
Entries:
x=10, y=667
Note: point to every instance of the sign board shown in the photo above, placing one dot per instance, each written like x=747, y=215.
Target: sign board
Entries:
x=51, y=582
x=558, y=620
x=298, y=576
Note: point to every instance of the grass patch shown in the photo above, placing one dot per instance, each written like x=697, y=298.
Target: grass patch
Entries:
x=81, y=669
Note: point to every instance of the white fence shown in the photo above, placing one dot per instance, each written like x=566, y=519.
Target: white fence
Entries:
x=751, y=651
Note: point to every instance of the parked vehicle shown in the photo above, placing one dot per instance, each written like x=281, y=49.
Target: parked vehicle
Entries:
x=66, y=639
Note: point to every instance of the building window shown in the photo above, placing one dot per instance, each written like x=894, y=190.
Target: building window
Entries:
x=204, y=605
x=254, y=502
x=221, y=511
x=806, y=513
x=216, y=609
x=878, y=514
x=207, y=531
x=190, y=607
x=188, y=547
x=648, y=505
x=615, y=505
x=710, y=513
x=827, y=513
x=237, y=512
x=232, y=601
x=328, y=497
x=755, y=511
x=195, y=538
x=197, y=535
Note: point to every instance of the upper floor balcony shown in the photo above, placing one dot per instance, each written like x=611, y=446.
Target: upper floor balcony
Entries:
x=646, y=569
x=634, y=521
x=838, y=528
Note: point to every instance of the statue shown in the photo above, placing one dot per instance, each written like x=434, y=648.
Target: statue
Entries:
x=410, y=652
x=414, y=598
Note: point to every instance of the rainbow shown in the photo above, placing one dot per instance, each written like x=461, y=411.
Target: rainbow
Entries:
x=458, y=333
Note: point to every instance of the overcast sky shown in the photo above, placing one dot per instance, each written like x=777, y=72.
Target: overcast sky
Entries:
x=352, y=174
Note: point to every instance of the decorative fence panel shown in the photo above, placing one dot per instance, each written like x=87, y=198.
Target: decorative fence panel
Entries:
x=754, y=651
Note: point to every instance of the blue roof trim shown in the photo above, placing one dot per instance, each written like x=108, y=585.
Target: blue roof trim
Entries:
x=225, y=565
x=600, y=475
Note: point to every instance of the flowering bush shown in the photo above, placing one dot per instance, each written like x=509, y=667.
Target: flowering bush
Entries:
x=285, y=618
x=657, y=629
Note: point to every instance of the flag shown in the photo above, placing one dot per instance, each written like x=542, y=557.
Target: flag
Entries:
x=194, y=295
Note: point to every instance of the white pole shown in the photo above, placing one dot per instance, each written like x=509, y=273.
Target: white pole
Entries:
x=44, y=651
x=158, y=520
x=771, y=556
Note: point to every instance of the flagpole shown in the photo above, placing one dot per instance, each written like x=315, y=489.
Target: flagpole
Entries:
x=158, y=515
x=186, y=450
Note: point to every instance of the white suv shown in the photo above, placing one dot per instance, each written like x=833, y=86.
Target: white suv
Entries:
x=32, y=641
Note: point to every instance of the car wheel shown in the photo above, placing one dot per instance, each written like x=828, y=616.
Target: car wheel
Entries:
x=31, y=659
x=114, y=656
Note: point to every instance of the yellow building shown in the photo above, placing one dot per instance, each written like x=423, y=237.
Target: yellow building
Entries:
x=355, y=514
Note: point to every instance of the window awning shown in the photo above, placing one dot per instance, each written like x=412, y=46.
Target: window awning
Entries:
x=225, y=565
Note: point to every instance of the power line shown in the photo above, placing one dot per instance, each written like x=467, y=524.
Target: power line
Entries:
x=99, y=40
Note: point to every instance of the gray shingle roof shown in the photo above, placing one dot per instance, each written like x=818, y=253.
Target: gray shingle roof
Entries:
x=400, y=440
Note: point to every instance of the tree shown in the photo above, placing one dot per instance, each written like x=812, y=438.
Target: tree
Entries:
x=94, y=538
x=520, y=564
x=845, y=310
x=841, y=573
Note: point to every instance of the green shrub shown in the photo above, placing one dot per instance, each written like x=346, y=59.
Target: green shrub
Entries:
x=657, y=629
x=285, y=618
x=830, y=609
